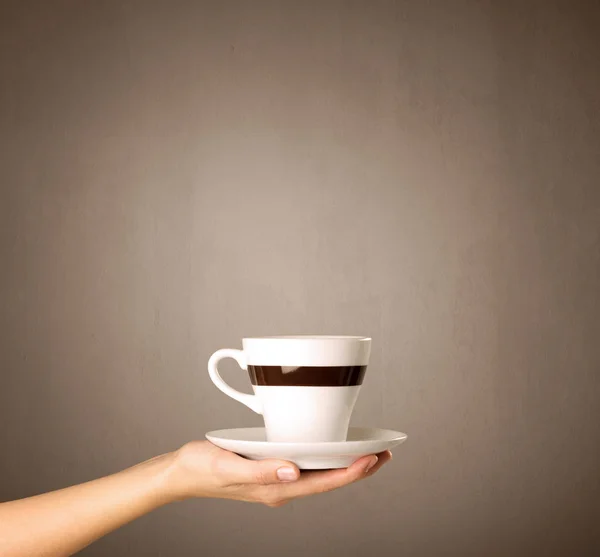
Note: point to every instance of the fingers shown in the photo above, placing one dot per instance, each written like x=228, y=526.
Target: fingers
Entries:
x=274, y=471
x=321, y=482
x=274, y=482
x=382, y=459
x=260, y=472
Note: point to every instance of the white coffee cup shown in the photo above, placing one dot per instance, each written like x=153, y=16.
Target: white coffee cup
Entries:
x=304, y=386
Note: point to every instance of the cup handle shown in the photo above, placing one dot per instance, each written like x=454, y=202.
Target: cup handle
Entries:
x=251, y=401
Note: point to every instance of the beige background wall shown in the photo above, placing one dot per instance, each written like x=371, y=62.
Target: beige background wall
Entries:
x=175, y=175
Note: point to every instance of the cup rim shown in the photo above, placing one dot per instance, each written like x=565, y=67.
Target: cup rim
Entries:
x=311, y=337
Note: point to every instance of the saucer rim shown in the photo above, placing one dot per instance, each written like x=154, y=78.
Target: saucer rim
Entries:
x=397, y=437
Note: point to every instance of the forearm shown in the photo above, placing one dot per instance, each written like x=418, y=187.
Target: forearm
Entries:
x=63, y=522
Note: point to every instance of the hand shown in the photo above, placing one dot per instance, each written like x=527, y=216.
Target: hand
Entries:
x=62, y=522
x=200, y=469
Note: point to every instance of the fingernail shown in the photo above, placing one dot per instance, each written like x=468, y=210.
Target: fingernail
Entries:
x=286, y=474
x=372, y=463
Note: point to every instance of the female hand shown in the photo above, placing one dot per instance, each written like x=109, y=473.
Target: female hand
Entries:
x=200, y=469
x=59, y=523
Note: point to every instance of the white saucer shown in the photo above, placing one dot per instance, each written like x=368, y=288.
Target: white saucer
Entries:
x=251, y=443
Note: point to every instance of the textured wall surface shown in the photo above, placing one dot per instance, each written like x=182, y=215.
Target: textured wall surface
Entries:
x=176, y=175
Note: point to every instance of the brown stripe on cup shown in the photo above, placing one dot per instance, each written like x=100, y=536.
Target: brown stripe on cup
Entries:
x=329, y=376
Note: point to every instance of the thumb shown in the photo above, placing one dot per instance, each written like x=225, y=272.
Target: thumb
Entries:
x=266, y=472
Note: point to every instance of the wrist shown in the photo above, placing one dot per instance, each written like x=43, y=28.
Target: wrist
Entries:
x=160, y=472
x=190, y=472
x=172, y=482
